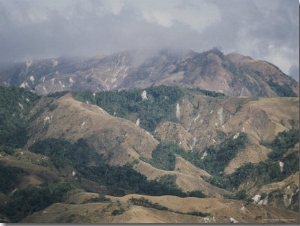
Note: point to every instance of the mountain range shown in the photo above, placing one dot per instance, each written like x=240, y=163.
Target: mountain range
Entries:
x=176, y=137
x=232, y=74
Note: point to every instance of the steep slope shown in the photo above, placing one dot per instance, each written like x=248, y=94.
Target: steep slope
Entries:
x=206, y=121
x=216, y=133
x=188, y=177
x=117, y=139
x=207, y=144
x=231, y=74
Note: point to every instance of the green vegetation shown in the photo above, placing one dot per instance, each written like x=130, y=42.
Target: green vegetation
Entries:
x=261, y=173
x=198, y=213
x=62, y=152
x=10, y=178
x=223, y=153
x=100, y=198
x=15, y=105
x=117, y=212
x=7, y=150
x=267, y=171
x=218, y=157
x=208, y=92
x=196, y=193
x=120, y=180
x=282, y=142
x=160, y=105
x=58, y=94
x=146, y=203
x=281, y=90
x=33, y=199
x=123, y=180
x=163, y=156
x=239, y=195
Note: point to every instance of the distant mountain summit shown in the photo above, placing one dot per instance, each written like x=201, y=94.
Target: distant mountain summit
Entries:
x=232, y=74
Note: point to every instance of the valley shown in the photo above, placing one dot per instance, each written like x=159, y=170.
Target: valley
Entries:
x=107, y=140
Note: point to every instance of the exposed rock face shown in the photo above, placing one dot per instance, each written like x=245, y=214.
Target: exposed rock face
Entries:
x=231, y=74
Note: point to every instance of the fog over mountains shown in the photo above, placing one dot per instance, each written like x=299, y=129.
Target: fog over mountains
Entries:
x=232, y=74
x=179, y=136
x=173, y=111
x=266, y=30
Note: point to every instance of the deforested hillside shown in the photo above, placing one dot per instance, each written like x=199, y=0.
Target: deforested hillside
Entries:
x=232, y=74
x=122, y=154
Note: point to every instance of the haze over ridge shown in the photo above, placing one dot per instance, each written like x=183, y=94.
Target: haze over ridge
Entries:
x=266, y=30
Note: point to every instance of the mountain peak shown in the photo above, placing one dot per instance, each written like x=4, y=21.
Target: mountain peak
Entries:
x=233, y=74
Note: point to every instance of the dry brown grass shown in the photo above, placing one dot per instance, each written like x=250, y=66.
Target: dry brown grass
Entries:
x=220, y=210
x=72, y=120
x=262, y=120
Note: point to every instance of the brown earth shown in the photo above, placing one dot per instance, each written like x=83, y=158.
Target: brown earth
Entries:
x=205, y=121
x=111, y=136
x=221, y=211
x=118, y=139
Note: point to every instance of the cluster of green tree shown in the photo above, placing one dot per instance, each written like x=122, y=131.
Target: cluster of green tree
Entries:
x=218, y=157
x=118, y=211
x=268, y=171
x=223, y=153
x=282, y=143
x=146, y=203
x=57, y=94
x=198, y=213
x=7, y=150
x=208, y=92
x=62, y=152
x=159, y=106
x=239, y=195
x=260, y=173
x=120, y=180
x=10, y=178
x=281, y=90
x=163, y=156
x=33, y=199
x=170, y=180
x=15, y=105
x=99, y=198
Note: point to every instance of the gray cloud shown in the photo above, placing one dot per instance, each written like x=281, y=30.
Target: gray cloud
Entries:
x=262, y=29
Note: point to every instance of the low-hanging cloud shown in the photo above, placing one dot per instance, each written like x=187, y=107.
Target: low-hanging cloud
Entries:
x=262, y=29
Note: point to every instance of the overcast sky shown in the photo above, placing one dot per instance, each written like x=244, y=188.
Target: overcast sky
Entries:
x=263, y=29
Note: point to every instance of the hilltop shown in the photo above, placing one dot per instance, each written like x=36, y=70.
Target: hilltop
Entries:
x=153, y=142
